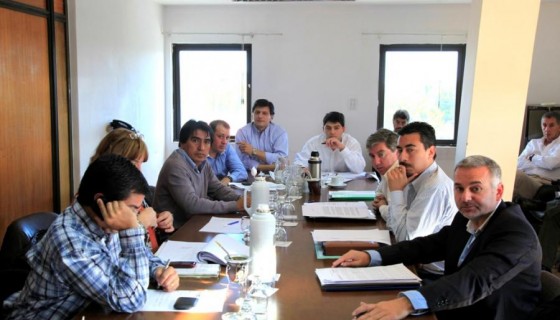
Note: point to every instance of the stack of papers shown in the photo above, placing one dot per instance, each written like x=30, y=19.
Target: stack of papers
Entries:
x=345, y=210
x=182, y=251
x=370, y=278
x=214, y=254
x=343, y=195
x=371, y=235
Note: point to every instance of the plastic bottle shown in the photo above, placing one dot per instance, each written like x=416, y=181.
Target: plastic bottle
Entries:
x=263, y=251
x=315, y=165
x=259, y=195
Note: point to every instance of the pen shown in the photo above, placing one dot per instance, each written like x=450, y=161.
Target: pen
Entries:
x=233, y=222
x=165, y=268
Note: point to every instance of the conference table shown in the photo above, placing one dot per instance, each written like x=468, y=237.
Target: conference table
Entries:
x=299, y=294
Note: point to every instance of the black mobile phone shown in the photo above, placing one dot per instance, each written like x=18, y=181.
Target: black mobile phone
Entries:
x=182, y=264
x=185, y=303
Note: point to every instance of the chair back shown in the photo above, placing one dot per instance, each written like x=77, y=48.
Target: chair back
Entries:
x=550, y=286
x=21, y=234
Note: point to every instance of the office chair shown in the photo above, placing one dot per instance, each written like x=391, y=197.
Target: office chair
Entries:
x=535, y=209
x=549, y=306
x=21, y=234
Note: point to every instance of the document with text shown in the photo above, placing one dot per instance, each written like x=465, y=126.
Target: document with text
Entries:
x=393, y=276
x=344, y=210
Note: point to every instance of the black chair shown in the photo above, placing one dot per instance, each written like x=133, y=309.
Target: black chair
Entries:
x=549, y=307
x=21, y=234
x=534, y=209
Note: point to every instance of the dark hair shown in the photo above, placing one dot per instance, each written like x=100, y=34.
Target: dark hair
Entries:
x=214, y=124
x=401, y=114
x=383, y=135
x=190, y=127
x=334, y=117
x=113, y=176
x=552, y=114
x=426, y=132
x=263, y=103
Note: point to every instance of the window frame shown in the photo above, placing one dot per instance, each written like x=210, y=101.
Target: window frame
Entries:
x=459, y=48
x=177, y=48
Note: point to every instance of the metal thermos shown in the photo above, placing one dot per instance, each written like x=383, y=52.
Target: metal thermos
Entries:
x=315, y=165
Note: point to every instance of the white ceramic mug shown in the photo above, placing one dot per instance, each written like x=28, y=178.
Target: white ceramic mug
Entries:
x=337, y=180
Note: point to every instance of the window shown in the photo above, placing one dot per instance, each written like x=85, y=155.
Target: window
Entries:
x=426, y=81
x=211, y=81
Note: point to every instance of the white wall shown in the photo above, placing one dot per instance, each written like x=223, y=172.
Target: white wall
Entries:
x=313, y=58
x=325, y=55
x=116, y=50
x=544, y=85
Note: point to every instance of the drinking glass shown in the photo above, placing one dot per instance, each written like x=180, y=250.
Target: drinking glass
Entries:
x=237, y=268
x=245, y=225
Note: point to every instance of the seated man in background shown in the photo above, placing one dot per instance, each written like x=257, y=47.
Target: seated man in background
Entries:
x=94, y=251
x=539, y=163
x=382, y=149
x=222, y=157
x=420, y=199
x=492, y=256
x=187, y=185
x=261, y=142
x=339, y=151
x=400, y=119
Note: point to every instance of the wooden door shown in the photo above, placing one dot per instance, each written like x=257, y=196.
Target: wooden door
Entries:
x=34, y=130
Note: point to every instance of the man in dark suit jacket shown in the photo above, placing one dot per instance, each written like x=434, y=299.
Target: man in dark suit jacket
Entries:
x=492, y=256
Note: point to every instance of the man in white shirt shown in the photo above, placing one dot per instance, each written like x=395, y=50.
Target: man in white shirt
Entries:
x=421, y=199
x=539, y=163
x=339, y=152
x=382, y=149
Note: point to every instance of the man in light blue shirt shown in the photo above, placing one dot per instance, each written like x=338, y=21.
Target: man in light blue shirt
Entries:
x=492, y=256
x=261, y=142
x=222, y=157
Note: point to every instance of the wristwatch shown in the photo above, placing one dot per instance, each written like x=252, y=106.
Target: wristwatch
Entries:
x=254, y=152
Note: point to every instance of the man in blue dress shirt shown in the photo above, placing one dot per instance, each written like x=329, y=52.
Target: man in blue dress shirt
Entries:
x=222, y=156
x=261, y=142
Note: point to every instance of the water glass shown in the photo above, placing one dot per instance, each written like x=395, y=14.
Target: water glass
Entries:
x=237, y=267
x=245, y=225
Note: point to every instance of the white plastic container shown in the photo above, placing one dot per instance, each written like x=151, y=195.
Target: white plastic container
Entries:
x=262, y=249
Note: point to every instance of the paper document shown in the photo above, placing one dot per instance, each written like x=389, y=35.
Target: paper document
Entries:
x=179, y=250
x=351, y=195
x=382, y=275
x=347, y=210
x=239, y=185
x=187, y=251
x=371, y=235
x=222, y=225
x=214, y=254
x=346, y=176
x=208, y=300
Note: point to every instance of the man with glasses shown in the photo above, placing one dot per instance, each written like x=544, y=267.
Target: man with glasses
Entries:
x=94, y=251
x=187, y=185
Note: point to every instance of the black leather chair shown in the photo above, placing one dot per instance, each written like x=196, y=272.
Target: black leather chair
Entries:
x=549, y=307
x=534, y=209
x=21, y=234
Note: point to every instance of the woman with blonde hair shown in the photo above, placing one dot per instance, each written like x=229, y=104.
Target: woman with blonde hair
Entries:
x=131, y=145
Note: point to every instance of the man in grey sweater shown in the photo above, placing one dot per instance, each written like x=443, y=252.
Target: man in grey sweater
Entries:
x=187, y=185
